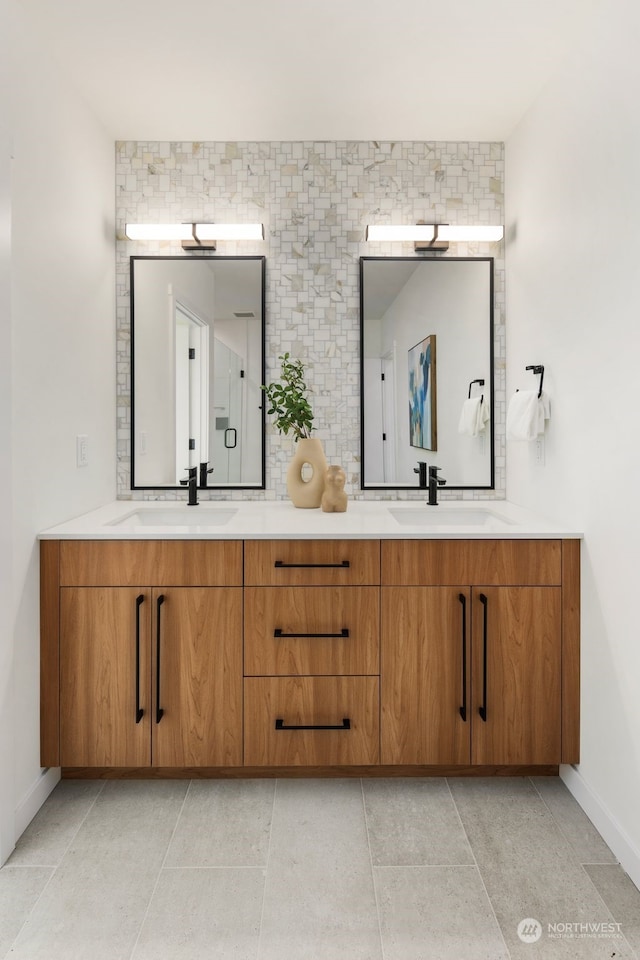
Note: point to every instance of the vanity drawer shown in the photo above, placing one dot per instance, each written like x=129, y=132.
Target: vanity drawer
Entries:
x=311, y=562
x=490, y=562
x=311, y=630
x=175, y=563
x=348, y=704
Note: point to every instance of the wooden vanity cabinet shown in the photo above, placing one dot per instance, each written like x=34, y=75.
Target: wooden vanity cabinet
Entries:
x=150, y=668
x=404, y=655
x=472, y=671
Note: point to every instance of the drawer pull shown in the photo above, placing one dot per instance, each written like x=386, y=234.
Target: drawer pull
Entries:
x=281, y=565
x=279, y=635
x=139, y=710
x=345, y=725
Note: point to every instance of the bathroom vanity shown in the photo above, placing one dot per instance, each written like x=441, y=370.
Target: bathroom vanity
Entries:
x=255, y=639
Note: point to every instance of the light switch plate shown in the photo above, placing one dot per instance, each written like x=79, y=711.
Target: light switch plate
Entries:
x=82, y=450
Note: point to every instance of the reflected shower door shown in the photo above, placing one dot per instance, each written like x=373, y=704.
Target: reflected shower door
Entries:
x=228, y=409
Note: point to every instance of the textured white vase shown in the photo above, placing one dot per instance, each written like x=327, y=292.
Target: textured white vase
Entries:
x=307, y=493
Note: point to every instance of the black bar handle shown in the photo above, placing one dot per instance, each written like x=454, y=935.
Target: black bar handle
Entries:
x=463, y=708
x=345, y=725
x=279, y=635
x=280, y=564
x=139, y=711
x=483, y=709
x=159, y=710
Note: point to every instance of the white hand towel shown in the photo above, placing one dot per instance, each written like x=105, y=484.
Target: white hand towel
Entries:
x=468, y=424
x=483, y=415
x=527, y=414
x=474, y=416
x=544, y=412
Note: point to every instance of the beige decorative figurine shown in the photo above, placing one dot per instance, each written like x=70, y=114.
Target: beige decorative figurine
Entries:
x=334, y=499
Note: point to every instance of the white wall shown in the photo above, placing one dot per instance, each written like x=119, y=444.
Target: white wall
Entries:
x=63, y=350
x=573, y=303
x=7, y=828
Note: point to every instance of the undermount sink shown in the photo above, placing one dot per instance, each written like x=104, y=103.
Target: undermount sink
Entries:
x=448, y=517
x=178, y=516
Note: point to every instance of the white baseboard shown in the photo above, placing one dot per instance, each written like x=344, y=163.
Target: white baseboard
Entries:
x=36, y=796
x=603, y=820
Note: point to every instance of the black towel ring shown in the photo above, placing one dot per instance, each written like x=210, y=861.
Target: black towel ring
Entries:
x=537, y=368
x=481, y=382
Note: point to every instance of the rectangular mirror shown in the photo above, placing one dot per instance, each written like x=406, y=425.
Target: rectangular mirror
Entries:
x=197, y=348
x=412, y=398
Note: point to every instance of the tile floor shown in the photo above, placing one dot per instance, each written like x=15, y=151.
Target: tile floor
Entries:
x=313, y=870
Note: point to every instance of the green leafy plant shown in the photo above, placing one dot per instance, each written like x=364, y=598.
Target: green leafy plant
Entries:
x=289, y=404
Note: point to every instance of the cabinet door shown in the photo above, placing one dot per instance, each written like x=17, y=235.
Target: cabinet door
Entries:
x=424, y=676
x=105, y=700
x=516, y=672
x=197, y=677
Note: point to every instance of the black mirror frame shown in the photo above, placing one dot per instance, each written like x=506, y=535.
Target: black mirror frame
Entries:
x=212, y=486
x=399, y=486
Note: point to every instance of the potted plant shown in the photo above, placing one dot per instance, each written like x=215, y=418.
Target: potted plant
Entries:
x=289, y=403
x=290, y=406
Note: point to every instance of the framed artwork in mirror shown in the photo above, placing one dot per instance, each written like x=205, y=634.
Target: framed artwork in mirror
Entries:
x=422, y=395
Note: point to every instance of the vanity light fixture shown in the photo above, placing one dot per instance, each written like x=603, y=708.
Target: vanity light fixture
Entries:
x=229, y=231
x=195, y=236
x=158, y=231
x=433, y=236
x=400, y=233
x=453, y=232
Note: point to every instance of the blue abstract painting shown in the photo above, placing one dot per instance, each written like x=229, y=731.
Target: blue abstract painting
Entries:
x=422, y=394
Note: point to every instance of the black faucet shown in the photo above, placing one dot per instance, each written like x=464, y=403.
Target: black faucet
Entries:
x=421, y=470
x=434, y=482
x=203, y=472
x=192, y=483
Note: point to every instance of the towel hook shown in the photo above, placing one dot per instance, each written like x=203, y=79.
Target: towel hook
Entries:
x=537, y=368
x=481, y=382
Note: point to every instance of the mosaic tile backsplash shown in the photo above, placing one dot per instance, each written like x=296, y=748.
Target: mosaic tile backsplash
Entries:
x=315, y=200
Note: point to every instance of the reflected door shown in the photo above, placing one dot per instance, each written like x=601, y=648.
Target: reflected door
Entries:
x=380, y=428
x=192, y=389
x=228, y=411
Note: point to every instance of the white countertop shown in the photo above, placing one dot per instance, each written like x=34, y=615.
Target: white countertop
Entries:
x=269, y=520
